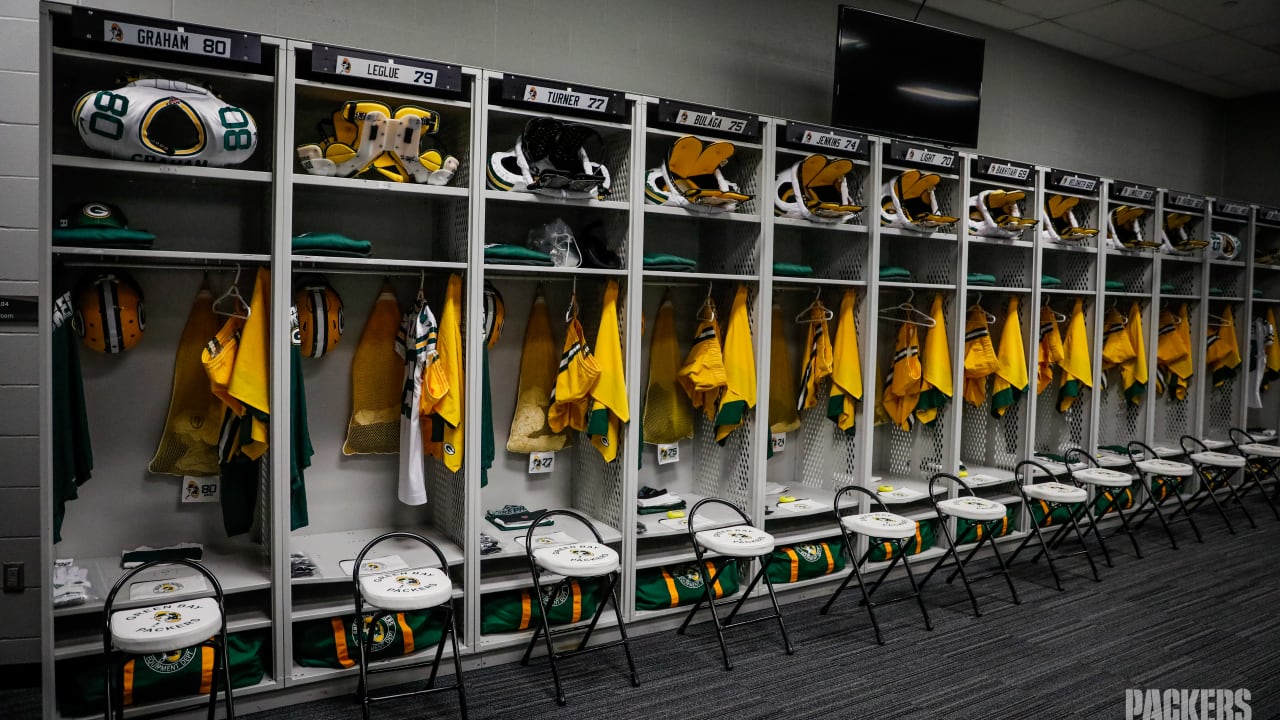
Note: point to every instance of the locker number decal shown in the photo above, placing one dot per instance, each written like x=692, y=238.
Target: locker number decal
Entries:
x=778, y=441
x=199, y=489
x=668, y=453
x=541, y=462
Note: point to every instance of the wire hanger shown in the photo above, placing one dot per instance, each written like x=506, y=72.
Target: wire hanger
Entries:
x=804, y=319
x=707, y=311
x=241, y=309
x=978, y=304
x=1057, y=316
x=422, y=284
x=572, y=311
x=1218, y=320
x=911, y=311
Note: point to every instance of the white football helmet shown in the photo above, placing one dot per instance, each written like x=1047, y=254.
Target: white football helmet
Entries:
x=690, y=178
x=1058, y=219
x=907, y=201
x=1223, y=246
x=995, y=214
x=815, y=189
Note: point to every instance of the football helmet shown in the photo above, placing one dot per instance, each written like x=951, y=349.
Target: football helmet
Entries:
x=815, y=189
x=550, y=158
x=691, y=178
x=908, y=201
x=996, y=214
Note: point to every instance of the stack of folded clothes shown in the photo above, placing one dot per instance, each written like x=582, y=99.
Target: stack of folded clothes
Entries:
x=893, y=272
x=1166, y=288
x=1114, y=285
x=1050, y=281
x=792, y=270
x=503, y=254
x=668, y=262
x=982, y=279
x=331, y=245
x=653, y=501
x=515, y=517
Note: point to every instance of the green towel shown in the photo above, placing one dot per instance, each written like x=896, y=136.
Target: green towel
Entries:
x=331, y=245
x=1049, y=281
x=1216, y=292
x=668, y=261
x=893, y=272
x=1257, y=292
x=982, y=279
x=104, y=237
x=1166, y=288
x=501, y=254
x=1115, y=285
x=792, y=270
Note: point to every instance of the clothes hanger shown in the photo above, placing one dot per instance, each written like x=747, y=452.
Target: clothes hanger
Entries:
x=1115, y=305
x=804, y=319
x=572, y=311
x=241, y=309
x=1218, y=321
x=1057, y=316
x=978, y=304
x=422, y=285
x=911, y=311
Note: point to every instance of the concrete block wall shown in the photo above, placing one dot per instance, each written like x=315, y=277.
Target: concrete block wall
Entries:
x=20, y=352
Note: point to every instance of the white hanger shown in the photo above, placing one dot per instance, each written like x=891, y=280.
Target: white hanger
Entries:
x=978, y=304
x=572, y=311
x=1218, y=321
x=911, y=310
x=242, y=309
x=1124, y=319
x=804, y=319
x=708, y=310
x=1057, y=316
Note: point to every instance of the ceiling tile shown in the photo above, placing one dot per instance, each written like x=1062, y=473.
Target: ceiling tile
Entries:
x=1050, y=9
x=1264, y=34
x=1153, y=67
x=1259, y=80
x=988, y=13
x=1230, y=15
x=1214, y=86
x=1215, y=54
x=1051, y=33
x=1133, y=24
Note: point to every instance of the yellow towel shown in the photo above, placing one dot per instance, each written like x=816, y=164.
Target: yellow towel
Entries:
x=1272, y=371
x=1117, y=349
x=980, y=360
x=377, y=379
x=783, y=416
x=609, y=396
x=189, y=442
x=1011, y=371
x=703, y=374
x=577, y=375
x=667, y=415
x=1174, y=364
x=936, y=388
x=1077, y=369
x=1134, y=375
x=250, y=382
x=817, y=356
x=739, y=370
x=1222, y=356
x=902, y=384
x=1050, y=352
x=530, y=432
x=846, y=374
x=443, y=387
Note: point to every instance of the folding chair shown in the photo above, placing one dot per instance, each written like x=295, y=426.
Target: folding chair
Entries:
x=1050, y=496
x=1215, y=470
x=157, y=629
x=1111, y=483
x=568, y=562
x=973, y=508
x=1161, y=479
x=740, y=541
x=1261, y=460
x=413, y=589
x=879, y=524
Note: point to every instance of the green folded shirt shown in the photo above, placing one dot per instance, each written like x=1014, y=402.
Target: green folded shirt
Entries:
x=331, y=245
x=982, y=279
x=1257, y=292
x=502, y=254
x=893, y=272
x=1166, y=288
x=1049, y=281
x=668, y=261
x=1115, y=285
x=1216, y=292
x=792, y=270
x=104, y=237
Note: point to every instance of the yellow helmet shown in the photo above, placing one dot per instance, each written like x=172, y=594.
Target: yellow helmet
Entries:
x=319, y=315
x=109, y=312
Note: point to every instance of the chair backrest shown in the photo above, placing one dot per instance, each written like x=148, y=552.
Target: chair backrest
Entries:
x=1022, y=473
x=1133, y=448
x=693, y=513
x=215, y=587
x=1191, y=444
x=850, y=489
x=359, y=564
x=1077, y=455
x=1240, y=436
x=946, y=476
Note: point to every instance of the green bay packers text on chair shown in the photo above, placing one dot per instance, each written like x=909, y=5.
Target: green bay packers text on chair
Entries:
x=739, y=541
x=1261, y=460
x=1214, y=470
x=1162, y=479
x=158, y=629
x=566, y=562
x=985, y=513
x=414, y=589
x=1112, y=491
x=889, y=527
x=1053, y=500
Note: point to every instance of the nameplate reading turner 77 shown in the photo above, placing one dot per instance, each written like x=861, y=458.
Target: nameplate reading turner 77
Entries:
x=155, y=34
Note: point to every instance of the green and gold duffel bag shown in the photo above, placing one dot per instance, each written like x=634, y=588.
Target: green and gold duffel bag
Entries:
x=1124, y=498
x=802, y=561
x=1059, y=516
x=516, y=610
x=668, y=587
x=926, y=535
x=968, y=531
x=1164, y=487
x=162, y=676
x=333, y=642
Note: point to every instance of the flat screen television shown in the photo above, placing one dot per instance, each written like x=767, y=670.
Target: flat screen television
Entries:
x=905, y=79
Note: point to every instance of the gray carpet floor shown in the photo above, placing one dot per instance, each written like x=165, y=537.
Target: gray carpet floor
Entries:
x=1205, y=616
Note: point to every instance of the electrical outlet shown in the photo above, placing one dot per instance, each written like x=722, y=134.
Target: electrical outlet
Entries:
x=13, y=577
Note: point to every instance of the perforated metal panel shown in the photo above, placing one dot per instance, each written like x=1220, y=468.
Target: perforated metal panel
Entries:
x=1118, y=421
x=1010, y=265
x=446, y=505
x=1074, y=269
x=1222, y=407
x=1057, y=432
x=617, y=158
x=1134, y=274
x=725, y=471
x=949, y=203
x=728, y=247
x=1183, y=276
x=833, y=254
x=825, y=450
x=1230, y=280
x=455, y=140
x=930, y=260
x=596, y=486
x=744, y=170
x=453, y=221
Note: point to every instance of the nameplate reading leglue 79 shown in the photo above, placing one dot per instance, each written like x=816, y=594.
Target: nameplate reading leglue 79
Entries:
x=167, y=36
x=357, y=65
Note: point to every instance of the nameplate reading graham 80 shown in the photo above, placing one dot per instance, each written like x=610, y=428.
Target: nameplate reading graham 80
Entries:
x=356, y=65
x=122, y=29
x=555, y=95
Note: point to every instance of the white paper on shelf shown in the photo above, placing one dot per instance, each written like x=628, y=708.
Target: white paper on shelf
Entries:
x=901, y=495
x=774, y=488
x=551, y=539
x=375, y=565
x=801, y=505
x=161, y=589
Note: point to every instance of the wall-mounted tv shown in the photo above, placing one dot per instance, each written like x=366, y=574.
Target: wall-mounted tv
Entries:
x=901, y=78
